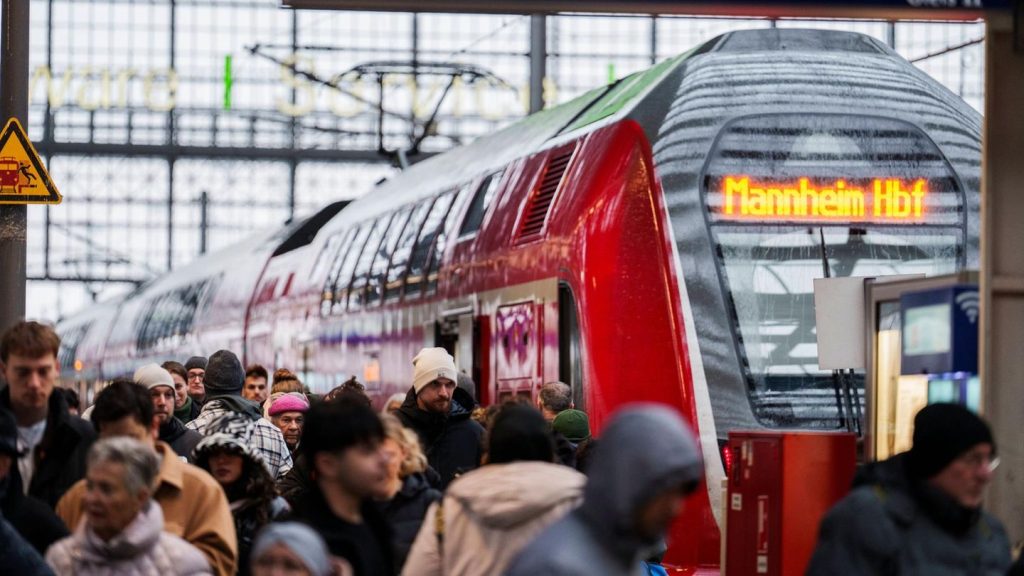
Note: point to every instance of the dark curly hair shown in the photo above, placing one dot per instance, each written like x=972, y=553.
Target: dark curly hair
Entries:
x=254, y=485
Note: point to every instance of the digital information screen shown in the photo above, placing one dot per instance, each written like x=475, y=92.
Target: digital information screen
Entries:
x=876, y=199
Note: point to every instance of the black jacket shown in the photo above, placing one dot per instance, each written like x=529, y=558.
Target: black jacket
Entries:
x=35, y=521
x=312, y=510
x=248, y=525
x=182, y=440
x=17, y=556
x=296, y=483
x=892, y=523
x=452, y=442
x=405, y=513
x=60, y=457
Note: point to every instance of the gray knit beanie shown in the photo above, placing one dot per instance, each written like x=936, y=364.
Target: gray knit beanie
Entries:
x=300, y=539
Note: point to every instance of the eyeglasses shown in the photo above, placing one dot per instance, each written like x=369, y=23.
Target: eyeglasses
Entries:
x=978, y=460
x=195, y=376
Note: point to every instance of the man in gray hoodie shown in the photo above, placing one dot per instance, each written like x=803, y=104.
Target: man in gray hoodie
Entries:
x=644, y=465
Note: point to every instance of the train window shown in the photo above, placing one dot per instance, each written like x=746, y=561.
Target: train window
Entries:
x=369, y=253
x=421, y=254
x=378, y=271
x=168, y=318
x=481, y=201
x=570, y=349
x=345, y=266
x=331, y=258
x=447, y=231
x=400, y=256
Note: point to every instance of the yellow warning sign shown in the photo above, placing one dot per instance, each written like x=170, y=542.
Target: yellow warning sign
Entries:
x=23, y=178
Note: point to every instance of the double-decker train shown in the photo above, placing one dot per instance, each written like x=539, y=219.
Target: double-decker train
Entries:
x=652, y=240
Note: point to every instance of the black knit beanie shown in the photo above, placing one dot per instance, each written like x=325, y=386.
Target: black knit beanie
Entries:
x=519, y=433
x=224, y=375
x=196, y=362
x=942, y=432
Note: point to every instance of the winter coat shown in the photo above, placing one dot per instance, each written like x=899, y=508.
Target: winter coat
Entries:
x=17, y=556
x=489, y=514
x=296, y=483
x=405, y=513
x=642, y=451
x=893, y=524
x=312, y=509
x=247, y=525
x=60, y=457
x=182, y=440
x=194, y=508
x=35, y=521
x=142, y=549
x=452, y=442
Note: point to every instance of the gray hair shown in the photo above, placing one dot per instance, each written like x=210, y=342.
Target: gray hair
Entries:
x=556, y=396
x=140, y=462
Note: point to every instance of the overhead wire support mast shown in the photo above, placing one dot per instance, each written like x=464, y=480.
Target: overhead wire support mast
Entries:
x=379, y=71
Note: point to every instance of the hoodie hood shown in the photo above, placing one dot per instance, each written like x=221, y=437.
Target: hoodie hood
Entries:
x=503, y=496
x=645, y=449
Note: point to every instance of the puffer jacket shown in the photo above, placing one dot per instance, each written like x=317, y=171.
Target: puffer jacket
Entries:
x=452, y=442
x=489, y=514
x=891, y=524
x=406, y=511
x=644, y=450
x=141, y=549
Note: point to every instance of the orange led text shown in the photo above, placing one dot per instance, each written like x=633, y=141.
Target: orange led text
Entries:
x=885, y=198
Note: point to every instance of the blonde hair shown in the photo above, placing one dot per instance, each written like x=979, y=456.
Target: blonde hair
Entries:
x=415, y=461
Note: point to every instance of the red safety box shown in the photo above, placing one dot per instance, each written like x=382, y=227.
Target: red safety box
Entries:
x=780, y=486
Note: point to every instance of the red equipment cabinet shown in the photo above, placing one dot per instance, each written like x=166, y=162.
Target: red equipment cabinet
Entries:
x=780, y=486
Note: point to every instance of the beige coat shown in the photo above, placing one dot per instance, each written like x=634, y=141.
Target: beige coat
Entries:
x=489, y=515
x=194, y=509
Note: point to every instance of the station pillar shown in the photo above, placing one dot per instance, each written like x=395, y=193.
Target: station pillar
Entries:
x=13, y=104
x=1002, y=265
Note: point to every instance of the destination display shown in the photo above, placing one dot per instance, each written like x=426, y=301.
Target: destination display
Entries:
x=878, y=199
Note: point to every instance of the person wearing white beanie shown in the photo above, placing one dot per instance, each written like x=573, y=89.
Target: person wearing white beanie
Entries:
x=439, y=412
x=161, y=389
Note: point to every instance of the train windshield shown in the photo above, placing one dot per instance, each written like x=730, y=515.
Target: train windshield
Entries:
x=793, y=198
x=770, y=272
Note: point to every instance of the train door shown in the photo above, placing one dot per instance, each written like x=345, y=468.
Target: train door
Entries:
x=458, y=333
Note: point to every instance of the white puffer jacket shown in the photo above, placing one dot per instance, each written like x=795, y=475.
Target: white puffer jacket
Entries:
x=142, y=549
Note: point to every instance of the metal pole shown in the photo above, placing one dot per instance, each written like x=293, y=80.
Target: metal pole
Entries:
x=538, y=61
x=13, y=104
x=890, y=35
x=204, y=203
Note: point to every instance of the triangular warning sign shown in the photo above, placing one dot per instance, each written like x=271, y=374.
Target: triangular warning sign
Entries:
x=23, y=178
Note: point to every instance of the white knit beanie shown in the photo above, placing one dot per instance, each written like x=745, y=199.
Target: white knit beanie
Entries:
x=431, y=364
x=152, y=375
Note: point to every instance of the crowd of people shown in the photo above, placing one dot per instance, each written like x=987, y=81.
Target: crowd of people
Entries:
x=209, y=467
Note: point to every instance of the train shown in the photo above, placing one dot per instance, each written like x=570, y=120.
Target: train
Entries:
x=655, y=239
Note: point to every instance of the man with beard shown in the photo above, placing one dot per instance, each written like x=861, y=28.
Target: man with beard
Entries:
x=439, y=412
x=172, y=431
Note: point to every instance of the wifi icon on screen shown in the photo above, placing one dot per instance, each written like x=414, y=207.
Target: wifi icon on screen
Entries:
x=968, y=302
